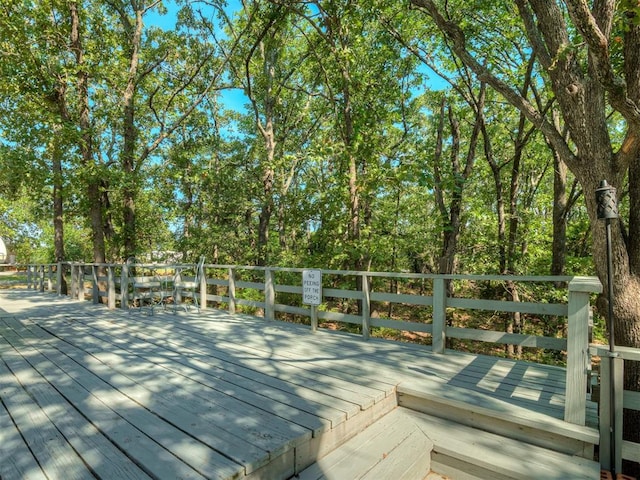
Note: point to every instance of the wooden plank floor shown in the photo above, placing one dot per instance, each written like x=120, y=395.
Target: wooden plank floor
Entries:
x=91, y=393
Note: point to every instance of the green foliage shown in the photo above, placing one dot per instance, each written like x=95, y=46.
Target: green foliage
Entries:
x=345, y=89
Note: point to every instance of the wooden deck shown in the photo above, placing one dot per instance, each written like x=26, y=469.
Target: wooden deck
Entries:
x=91, y=393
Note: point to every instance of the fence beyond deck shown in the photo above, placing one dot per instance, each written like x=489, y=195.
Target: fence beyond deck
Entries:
x=220, y=285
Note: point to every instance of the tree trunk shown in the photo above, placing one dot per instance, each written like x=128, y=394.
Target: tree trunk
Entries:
x=516, y=318
x=129, y=135
x=94, y=196
x=452, y=215
x=188, y=215
x=264, y=219
x=354, y=190
x=58, y=206
x=269, y=57
x=560, y=211
x=266, y=210
x=626, y=294
x=514, y=220
x=502, y=220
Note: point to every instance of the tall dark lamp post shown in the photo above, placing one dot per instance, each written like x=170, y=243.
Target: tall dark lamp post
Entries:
x=607, y=211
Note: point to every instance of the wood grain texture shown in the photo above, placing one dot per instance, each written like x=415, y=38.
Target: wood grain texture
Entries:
x=107, y=393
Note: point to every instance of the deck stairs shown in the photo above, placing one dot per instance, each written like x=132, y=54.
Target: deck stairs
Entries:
x=394, y=447
x=457, y=440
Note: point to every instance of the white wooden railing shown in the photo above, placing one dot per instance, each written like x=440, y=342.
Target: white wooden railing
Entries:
x=225, y=285
x=614, y=450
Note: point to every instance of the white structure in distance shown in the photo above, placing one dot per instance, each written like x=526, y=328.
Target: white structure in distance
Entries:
x=3, y=252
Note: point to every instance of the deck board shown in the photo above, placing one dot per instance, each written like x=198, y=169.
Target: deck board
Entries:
x=202, y=424
x=51, y=450
x=117, y=394
x=12, y=465
x=160, y=447
x=160, y=379
x=101, y=456
x=228, y=365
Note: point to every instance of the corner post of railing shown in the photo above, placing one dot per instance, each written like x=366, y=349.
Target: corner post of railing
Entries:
x=124, y=287
x=111, y=287
x=232, y=291
x=269, y=295
x=59, y=278
x=203, y=287
x=439, y=324
x=366, y=307
x=579, y=308
x=95, y=285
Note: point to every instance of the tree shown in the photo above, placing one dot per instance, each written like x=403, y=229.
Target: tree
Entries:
x=85, y=141
x=589, y=59
x=361, y=83
x=37, y=107
x=269, y=66
x=143, y=59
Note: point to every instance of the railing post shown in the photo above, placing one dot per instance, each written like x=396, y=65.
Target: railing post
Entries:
x=366, y=307
x=269, y=295
x=232, y=291
x=124, y=286
x=203, y=288
x=111, y=288
x=439, y=323
x=578, y=347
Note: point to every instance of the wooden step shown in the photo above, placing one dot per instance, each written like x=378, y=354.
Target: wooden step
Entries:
x=391, y=448
x=466, y=453
x=502, y=418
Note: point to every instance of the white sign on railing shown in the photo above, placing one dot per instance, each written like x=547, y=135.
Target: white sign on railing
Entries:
x=311, y=287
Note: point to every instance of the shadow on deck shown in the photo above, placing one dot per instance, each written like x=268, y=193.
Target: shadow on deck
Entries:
x=92, y=393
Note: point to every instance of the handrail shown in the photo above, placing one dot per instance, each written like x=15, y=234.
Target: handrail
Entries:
x=110, y=280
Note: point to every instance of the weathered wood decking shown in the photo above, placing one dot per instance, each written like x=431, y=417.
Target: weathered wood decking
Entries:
x=87, y=392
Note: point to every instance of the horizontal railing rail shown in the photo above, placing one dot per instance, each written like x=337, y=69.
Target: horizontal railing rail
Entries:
x=279, y=291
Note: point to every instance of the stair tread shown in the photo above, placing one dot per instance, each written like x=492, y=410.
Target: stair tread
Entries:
x=505, y=412
x=392, y=447
x=511, y=458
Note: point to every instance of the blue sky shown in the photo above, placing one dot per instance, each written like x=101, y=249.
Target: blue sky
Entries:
x=235, y=99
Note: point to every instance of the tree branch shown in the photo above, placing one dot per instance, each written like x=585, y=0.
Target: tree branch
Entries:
x=596, y=28
x=455, y=34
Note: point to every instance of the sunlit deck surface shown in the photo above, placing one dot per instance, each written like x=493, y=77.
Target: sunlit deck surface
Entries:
x=87, y=392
